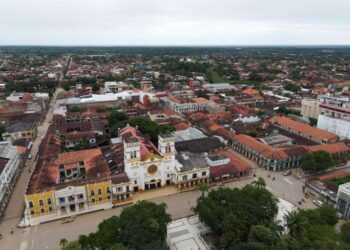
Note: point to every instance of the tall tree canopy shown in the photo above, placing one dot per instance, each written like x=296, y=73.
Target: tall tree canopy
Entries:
x=231, y=212
x=141, y=226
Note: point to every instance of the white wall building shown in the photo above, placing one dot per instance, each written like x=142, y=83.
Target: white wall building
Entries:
x=146, y=165
x=71, y=200
x=310, y=108
x=343, y=200
x=10, y=164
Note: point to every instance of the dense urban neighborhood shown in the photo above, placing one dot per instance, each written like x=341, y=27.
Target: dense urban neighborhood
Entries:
x=174, y=148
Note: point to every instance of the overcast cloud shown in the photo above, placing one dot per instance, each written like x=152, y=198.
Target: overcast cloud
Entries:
x=174, y=22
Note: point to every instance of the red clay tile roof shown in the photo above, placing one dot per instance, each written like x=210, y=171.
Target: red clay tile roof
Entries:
x=180, y=126
x=253, y=93
x=304, y=128
x=74, y=136
x=200, y=100
x=21, y=150
x=166, y=112
x=45, y=175
x=333, y=148
x=146, y=146
x=275, y=153
x=238, y=164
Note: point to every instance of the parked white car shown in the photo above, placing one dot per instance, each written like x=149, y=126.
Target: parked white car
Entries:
x=318, y=203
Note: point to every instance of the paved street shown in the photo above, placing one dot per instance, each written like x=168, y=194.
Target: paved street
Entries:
x=48, y=235
x=15, y=206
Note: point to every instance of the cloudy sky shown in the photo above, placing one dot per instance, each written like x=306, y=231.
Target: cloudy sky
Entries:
x=174, y=22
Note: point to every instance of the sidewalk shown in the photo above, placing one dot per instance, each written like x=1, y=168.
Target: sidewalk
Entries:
x=155, y=193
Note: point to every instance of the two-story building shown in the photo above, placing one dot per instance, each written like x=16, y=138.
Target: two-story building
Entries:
x=20, y=130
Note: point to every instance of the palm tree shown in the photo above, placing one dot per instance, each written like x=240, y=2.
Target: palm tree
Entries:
x=296, y=224
x=259, y=183
x=203, y=187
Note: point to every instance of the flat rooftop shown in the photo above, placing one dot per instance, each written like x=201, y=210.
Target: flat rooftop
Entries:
x=189, y=134
x=275, y=139
x=185, y=234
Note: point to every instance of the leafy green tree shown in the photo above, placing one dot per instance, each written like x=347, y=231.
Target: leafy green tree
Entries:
x=328, y=214
x=230, y=213
x=65, y=86
x=141, y=226
x=105, y=237
x=143, y=223
x=323, y=160
x=2, y=130
x=255, y=77
x=321, y=236
x=345, y=232
x=233, y=228
x=308, y=162
x=262, y=234
x=83, y=144
x=259, y=183
x=316, y=161
x=70, y=245
x=292, y=87
x=74, y=109
x=115, y=117
x=96, y=87
x=202, y=187
x=202, y=93
x=289, y=243
x=296, y=224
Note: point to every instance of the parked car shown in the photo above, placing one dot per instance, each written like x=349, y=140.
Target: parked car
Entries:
x=318, y=203
x=30, y=156
x=288, y=172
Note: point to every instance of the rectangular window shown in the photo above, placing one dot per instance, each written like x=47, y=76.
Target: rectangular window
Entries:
x=62, y=199
x=99, y=191
x=93, y=200
x=100, y=198
x=81, y=205
x=108, y=197
x=194, y=176
x=42, y=210
x=31, y=205
x=31, y=212
x=41, y=202
x=204, y=173
x=92, y=192
x=49, y=201
x=108, y=190
x=80, y=196
x=50, y=209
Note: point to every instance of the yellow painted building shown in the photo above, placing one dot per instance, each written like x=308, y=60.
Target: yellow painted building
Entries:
x=99, y=193
x=21, y=130
x=41, y=204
